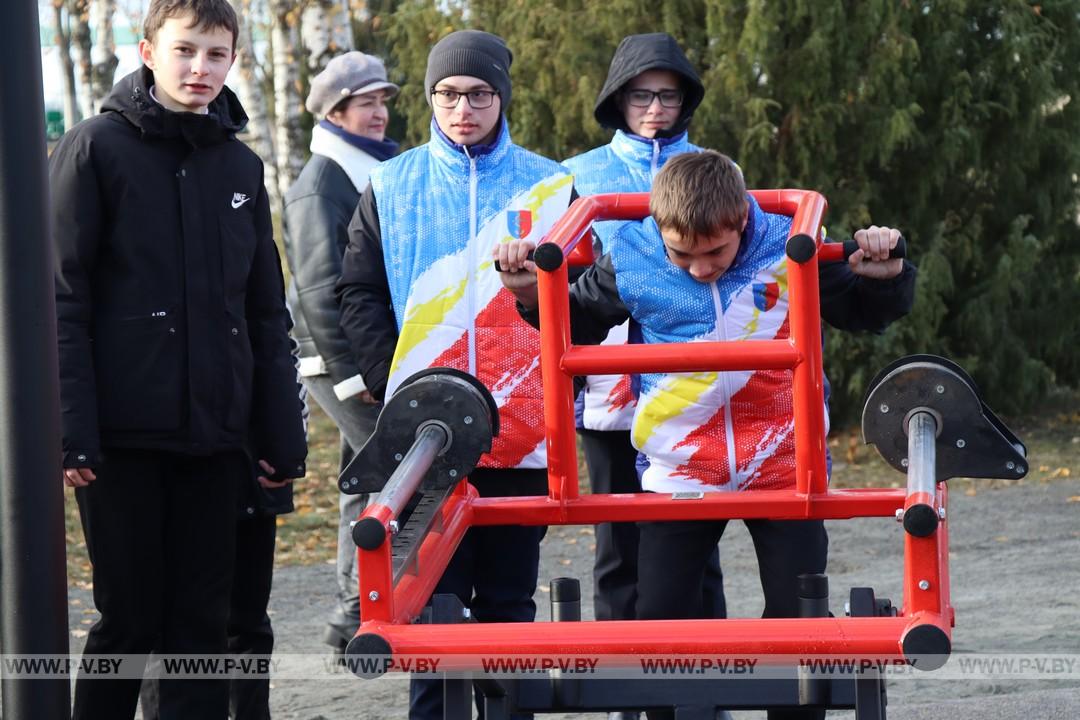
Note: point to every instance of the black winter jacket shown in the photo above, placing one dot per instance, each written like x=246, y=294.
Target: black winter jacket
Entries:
x=318, y=208
x=173, y=333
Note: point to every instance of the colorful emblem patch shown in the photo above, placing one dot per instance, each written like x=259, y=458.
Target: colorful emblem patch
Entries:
x=519, y=223
x=766, y=295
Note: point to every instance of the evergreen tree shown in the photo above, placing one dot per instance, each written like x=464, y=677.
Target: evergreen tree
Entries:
x=956, y=120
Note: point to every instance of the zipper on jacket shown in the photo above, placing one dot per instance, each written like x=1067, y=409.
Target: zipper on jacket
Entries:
x=655, y=159
x=725, y=384
x=470, y=269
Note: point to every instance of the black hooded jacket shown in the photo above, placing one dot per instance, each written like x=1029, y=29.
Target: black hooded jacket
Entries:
x=173, y=333
x=635, y=55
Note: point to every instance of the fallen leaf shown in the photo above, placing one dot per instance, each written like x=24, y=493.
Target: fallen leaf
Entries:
x=1002, y=538
x=1073, y=498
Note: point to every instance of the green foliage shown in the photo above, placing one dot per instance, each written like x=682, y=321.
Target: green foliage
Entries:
x=956, y=120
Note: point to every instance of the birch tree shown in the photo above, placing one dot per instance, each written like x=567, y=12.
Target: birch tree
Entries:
x=103, y=53
x=254, y=89
x=325, y=31
x=79, y=17
x=62, y=37
x=288, y=103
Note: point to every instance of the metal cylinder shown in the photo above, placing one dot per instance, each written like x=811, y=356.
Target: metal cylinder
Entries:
x=33, y=593
x=920, y=517
x=921, y=474
x=429, y=442
x=565, y=599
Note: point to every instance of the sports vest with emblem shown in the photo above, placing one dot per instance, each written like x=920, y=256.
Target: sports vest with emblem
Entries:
x=441, y=212
x=712, y=431
x=627, y=164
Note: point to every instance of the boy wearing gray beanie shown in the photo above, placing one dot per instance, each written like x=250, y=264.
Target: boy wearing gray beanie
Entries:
x=417, y=291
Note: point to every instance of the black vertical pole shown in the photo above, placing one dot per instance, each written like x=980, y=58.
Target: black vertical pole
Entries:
x=33, y=586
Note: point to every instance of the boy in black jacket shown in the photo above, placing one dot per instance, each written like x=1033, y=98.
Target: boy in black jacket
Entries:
x=174, y=350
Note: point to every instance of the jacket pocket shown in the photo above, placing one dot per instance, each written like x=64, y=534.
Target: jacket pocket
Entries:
x=241, y=375
x=141, y=370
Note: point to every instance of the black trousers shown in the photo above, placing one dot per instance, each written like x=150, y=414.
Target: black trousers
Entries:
x=672, y=558
x=493, y=572
x=611, y=460
x=249, y=627
x=160, y=531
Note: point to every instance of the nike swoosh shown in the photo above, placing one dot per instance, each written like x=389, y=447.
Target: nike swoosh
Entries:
x=238, y=204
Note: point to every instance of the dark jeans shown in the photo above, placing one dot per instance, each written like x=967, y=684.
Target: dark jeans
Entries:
x=356, y=421
x=611, y=460
x=671, y=562
x=160, y=531
x=493, y=572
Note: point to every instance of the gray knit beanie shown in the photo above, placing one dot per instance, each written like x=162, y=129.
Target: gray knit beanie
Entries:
x=475, y=53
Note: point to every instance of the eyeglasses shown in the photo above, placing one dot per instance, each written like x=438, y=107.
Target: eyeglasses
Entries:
x=477, y=99
x=644, y=98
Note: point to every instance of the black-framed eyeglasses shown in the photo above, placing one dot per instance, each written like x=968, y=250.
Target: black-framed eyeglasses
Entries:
x=477, y=99
x=644, y=98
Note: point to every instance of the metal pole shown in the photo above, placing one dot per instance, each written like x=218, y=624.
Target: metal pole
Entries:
x=920, y=517
x=33, y=590
x=408, y=475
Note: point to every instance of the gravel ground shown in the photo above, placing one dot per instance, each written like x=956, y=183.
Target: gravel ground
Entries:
x=1015, y=573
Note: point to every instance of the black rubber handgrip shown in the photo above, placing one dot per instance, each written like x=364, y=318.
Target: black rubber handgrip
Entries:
x=498, y=267
x=897, y=253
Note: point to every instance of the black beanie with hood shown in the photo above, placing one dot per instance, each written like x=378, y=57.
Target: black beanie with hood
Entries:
x=635, y=55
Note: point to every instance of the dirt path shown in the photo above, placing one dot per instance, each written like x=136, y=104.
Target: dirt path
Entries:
x=1015, y=571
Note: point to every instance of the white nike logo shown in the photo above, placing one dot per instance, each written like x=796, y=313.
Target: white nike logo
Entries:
x=239, y=199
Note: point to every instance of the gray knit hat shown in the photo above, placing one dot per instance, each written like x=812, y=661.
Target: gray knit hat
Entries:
x=353, y=73
x=475, y=53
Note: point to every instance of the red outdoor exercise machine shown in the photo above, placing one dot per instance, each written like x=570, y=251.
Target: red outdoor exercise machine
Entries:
x=923, y=413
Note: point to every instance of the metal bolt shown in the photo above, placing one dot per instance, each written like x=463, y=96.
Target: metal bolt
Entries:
x=468, y=419
x=413, y=403
x=354, y=481
x=466, y=613
x=899, y=514
x=398, y=456
x=1021, y=469
x=924, y=584
x=960, y=442
x=373, y=595
x=903, y=462
x=884, y=408
x=1010, y=465
x=453, y=473
x=394, y=527
x=941, y=513
x=940, y=389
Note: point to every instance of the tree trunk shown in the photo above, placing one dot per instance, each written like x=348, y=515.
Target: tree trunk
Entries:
x=103, y=52
x=250, y=88
x=325, y=31
x=288, y=105
x=63, y=45
x=79, y=15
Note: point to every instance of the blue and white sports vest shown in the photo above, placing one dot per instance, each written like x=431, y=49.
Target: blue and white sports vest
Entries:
x=627, y=164
x=711, y=431
x=441, y=212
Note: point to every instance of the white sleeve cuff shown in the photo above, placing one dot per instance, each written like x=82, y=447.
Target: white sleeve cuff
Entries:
x=349, y=387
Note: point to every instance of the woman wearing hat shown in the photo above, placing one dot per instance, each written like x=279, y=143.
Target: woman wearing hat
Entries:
x=349, y=100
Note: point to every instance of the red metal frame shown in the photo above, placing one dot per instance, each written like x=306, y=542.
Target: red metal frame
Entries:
x=388, y=610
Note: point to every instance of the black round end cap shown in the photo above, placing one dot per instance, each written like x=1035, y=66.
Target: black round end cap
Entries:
x=813, y=585
x=368, y=533
x=926, y=647
x=565, y=590
x=920, y=520
x=368, y=655
x=548, y=256
x=801, y=247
